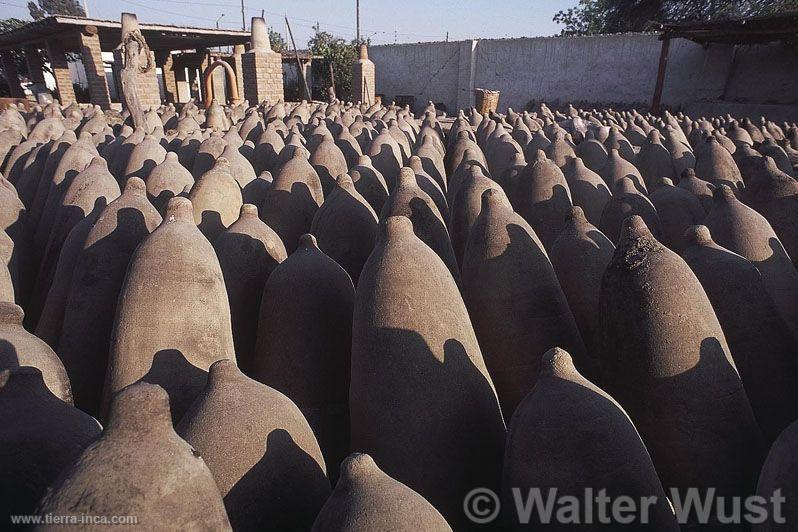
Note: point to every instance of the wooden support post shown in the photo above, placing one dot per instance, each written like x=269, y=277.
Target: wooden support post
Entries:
x=298, y=63
x=332, y=80
x=663, y=63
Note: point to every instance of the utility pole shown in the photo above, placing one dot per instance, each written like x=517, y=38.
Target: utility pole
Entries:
x=357, y=15
x=243, y=17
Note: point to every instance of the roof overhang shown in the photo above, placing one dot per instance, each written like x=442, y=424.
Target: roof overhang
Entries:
x=158, y=36
x=755, y=30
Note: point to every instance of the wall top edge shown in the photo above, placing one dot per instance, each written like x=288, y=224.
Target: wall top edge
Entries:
x=536, y=38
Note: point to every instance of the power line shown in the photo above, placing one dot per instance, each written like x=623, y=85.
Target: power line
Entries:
x=211, y=4
x=352, y=31
x=14, y=5
x=310, y=23
x=131, y=2
x=173, y=13
x=350, y=28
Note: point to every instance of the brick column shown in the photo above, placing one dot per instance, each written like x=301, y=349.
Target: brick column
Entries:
x=238, y=51
x=363, y=78
x=58, y=62
x=167, y=65
x=262, y=67
x=181, y=79
x=93, y=65
x=33, y=58
x=11, y=75
x=149, y=93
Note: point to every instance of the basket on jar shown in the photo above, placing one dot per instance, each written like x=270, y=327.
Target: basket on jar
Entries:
x=486, y=100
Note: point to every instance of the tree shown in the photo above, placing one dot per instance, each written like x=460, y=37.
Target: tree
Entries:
x=618, y=16
x=9, y=24
x=277, y=41
x=39, y=10
x=45, y=8
x=340, y=54
x=587, y=18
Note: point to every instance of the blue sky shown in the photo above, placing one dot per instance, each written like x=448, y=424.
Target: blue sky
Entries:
x=408, y=21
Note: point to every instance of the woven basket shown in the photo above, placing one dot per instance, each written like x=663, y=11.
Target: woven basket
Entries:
x=486, y=100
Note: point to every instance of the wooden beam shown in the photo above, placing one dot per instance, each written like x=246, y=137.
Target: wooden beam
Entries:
x=298, y=62
x=332, y=79
x=663, y=63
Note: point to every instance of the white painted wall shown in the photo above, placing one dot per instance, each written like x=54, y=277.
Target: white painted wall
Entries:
x=428, y=71
x=597, y=69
